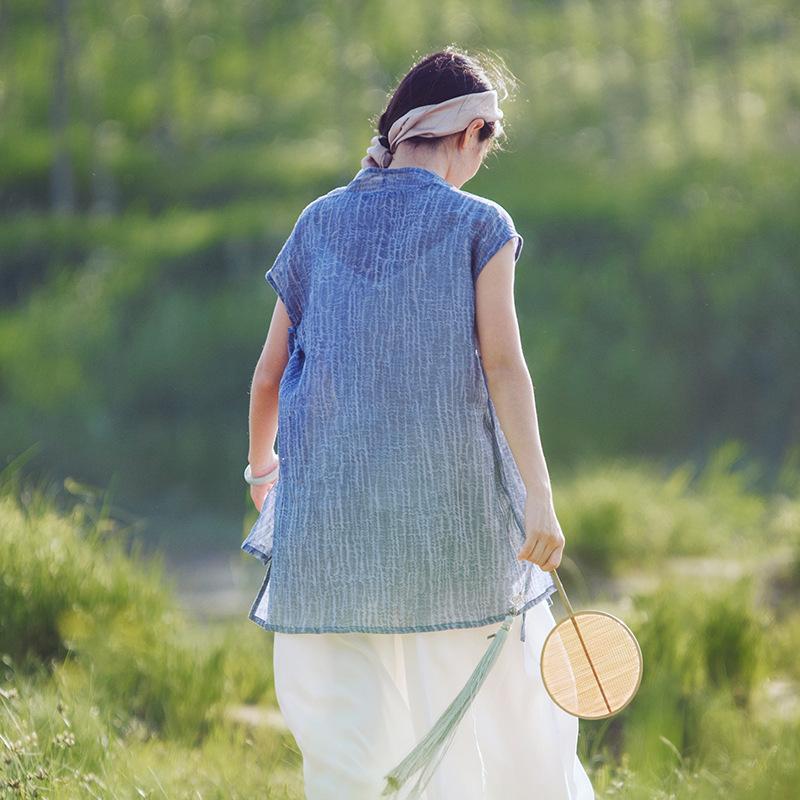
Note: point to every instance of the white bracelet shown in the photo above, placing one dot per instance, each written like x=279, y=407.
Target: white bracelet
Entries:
x=262, y=479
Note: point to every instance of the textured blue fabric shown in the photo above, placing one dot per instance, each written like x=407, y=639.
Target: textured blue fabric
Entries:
x=399, y=505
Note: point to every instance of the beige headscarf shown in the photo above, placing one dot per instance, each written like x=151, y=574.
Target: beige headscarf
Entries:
x=436, y=119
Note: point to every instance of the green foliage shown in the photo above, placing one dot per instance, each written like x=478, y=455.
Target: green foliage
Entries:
x=652, y=170
x=703, y=655
x=106, y=690
x=620, y=515
x=74, y=599
x=51, y=566
x=731, y=641
x=58, y=740
x=650, y=166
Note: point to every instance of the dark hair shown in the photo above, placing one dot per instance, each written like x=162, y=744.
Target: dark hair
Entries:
x=442, y=75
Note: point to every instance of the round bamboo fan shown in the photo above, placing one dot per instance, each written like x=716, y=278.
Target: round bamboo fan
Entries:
x=591, y=662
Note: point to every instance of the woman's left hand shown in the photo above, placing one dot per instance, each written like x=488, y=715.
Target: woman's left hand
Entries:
x=544, y=541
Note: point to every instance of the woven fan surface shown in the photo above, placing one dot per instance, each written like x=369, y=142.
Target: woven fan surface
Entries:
x=591, y=664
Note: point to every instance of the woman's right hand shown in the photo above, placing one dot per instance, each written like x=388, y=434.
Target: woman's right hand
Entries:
x=544, y=541
x=258, y=492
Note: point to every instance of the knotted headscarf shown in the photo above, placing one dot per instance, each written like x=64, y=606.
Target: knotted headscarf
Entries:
x=436, y=119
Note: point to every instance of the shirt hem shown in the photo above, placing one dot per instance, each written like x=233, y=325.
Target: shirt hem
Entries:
x=439, y=626
x=254, y=551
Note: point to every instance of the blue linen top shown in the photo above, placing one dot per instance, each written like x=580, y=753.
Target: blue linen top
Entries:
x=399, y=506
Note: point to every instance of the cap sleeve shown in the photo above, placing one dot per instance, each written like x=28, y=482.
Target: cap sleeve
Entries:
x=496, y=228
x=288, y=273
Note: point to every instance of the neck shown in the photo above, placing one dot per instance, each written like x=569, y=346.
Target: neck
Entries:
x=436, y=162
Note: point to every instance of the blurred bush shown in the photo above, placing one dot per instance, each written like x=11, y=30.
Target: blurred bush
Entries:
x=75, y=601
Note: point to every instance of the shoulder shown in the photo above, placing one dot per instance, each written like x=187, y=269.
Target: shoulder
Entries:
x=478, y=212
x=326, y=200
x=317, y=208
x=491, y=226
x=485, y=211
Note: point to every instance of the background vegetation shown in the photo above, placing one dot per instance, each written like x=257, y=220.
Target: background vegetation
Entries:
x=154, y=155
x=109, y=690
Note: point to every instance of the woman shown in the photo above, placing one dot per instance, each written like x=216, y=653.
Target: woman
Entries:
x=414, y=507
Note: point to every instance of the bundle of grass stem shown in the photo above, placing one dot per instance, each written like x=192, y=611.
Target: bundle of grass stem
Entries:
x=427, y=755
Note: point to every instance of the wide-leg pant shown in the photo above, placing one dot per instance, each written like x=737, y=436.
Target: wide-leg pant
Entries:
x=356, y=704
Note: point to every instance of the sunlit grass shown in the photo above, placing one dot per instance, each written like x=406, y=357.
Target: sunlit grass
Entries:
x=620, y=515
x=108, y=691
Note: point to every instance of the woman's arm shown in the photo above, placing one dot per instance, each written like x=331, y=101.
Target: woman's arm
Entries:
x=512, y=393
x=263, y=418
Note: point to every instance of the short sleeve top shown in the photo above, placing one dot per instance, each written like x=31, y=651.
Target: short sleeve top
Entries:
x=399, y=506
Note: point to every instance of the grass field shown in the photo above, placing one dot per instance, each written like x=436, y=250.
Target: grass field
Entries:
x=109, y=690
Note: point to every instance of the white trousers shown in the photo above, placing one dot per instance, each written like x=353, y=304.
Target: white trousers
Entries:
x=356, y=704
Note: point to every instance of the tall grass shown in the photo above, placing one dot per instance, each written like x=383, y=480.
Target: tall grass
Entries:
x=107, y=690
x=620, y=515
